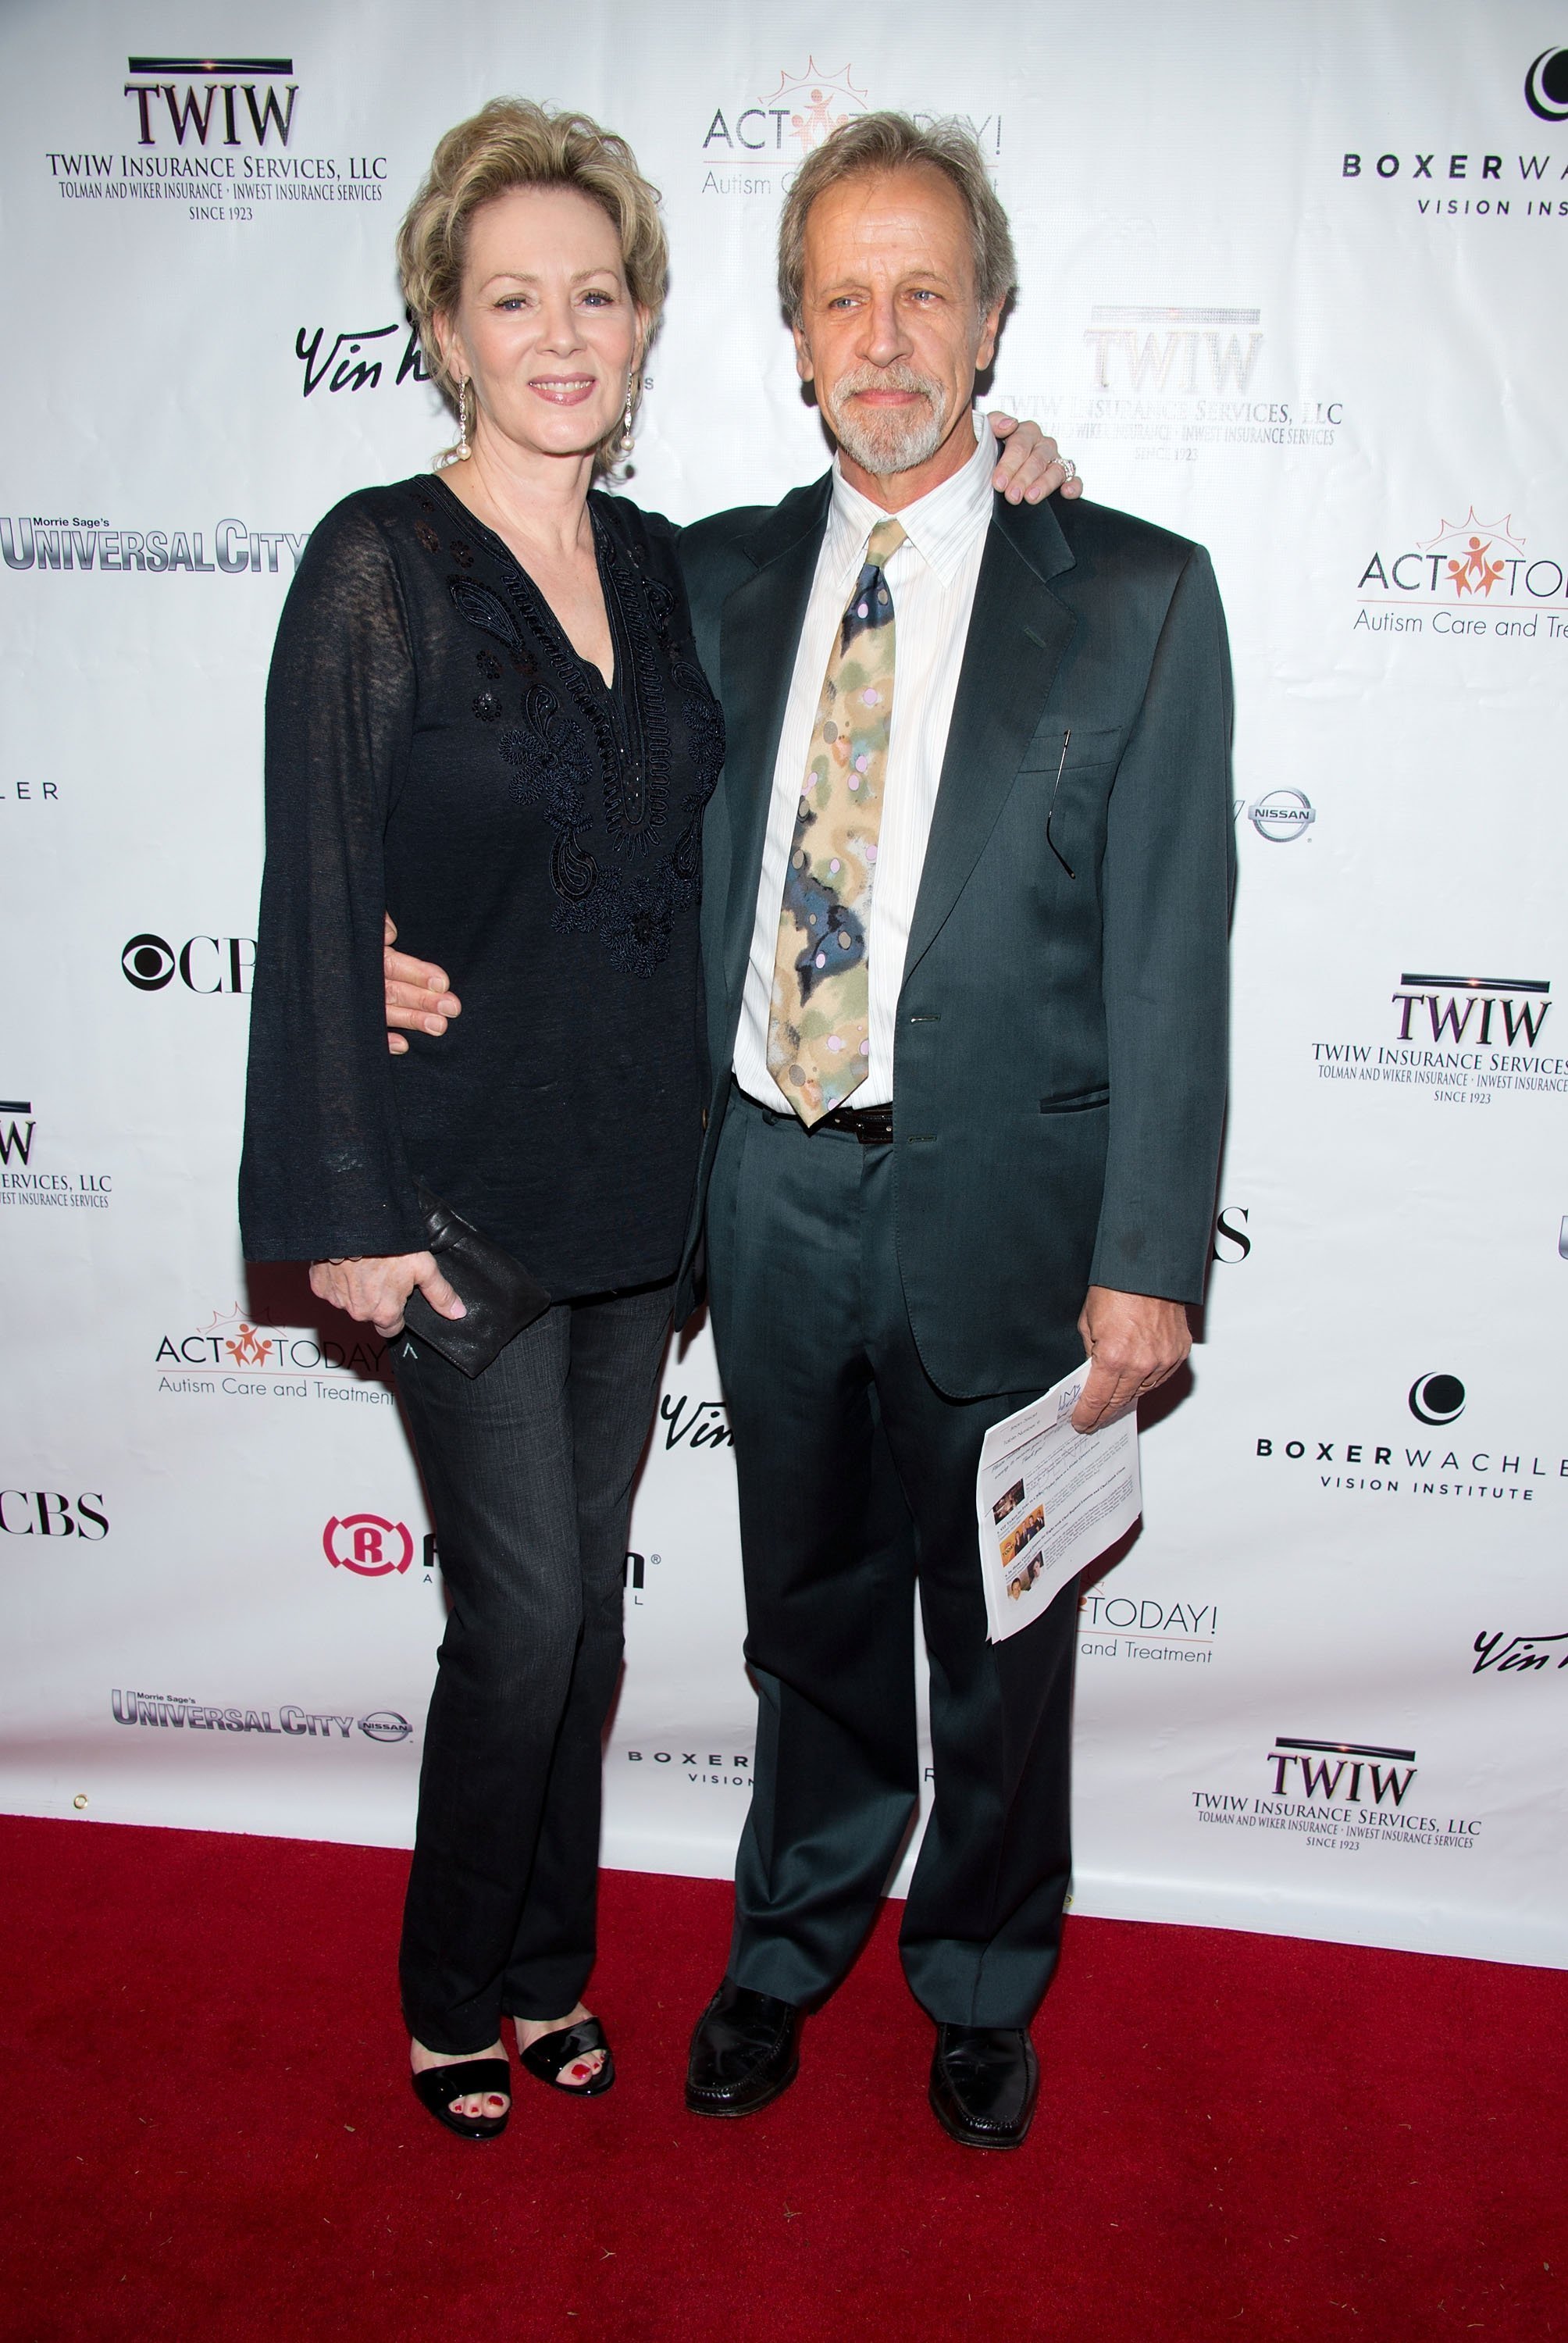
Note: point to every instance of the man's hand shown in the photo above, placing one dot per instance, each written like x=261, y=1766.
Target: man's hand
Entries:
x=1135, y=1342
x=418, y=998
x=1030, y=468
x=375, y=1288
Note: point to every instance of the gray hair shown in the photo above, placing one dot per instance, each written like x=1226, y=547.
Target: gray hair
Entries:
x=872, y=145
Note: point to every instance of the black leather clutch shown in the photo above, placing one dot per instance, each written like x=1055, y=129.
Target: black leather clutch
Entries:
x=501, y=1297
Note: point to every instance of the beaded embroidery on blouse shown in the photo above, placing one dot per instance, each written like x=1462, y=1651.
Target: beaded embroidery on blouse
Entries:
x=569, y=761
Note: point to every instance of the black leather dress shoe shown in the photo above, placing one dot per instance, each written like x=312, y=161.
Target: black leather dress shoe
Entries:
x=745, y=2051
x=985, y=2080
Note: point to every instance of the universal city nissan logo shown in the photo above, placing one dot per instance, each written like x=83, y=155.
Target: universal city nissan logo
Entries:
x=171, y=1712
x=367, y=1543
x=49, y=542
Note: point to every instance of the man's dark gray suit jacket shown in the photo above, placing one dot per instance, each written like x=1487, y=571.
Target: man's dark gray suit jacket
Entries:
x=1060, y=1052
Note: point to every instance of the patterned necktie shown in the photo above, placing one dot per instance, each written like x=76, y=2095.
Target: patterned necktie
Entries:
x=819, y=1031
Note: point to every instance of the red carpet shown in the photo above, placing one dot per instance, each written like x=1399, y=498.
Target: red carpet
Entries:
x=209, y=2136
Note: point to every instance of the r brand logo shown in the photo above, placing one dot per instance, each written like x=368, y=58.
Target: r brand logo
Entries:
x=367, y=1543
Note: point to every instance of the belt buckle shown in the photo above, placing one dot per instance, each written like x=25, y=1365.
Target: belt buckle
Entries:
x=873, y=1125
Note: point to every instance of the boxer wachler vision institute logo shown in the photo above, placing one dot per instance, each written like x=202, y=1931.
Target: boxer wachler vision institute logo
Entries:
x=1452, y=179
x=219, y=136
x=1337, y=1797
x=1487, y=1463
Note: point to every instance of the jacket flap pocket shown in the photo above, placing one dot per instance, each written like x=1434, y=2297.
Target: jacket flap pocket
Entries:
x=1076, y=1101
x=1087, y=745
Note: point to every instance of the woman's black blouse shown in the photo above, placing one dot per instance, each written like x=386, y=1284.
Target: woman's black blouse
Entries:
x=436, y=746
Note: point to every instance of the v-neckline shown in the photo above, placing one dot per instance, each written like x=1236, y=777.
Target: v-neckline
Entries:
x=593, y=674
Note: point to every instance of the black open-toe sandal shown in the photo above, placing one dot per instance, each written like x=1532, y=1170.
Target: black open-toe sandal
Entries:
x=436, y=2087
x=551, y=2056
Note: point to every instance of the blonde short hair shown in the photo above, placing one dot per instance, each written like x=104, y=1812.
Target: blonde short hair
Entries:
x=513, y=143
x=870, y=146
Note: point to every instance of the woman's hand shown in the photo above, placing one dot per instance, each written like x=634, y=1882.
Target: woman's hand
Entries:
x=1031, y=466
x=375, y=1288
x=418, y=999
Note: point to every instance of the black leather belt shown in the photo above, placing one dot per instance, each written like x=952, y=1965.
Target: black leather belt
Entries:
x=872, y=1125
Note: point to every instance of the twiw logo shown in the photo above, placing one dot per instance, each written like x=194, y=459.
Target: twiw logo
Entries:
x=1325, y=1765
x=14, y=1142
x=213, y=112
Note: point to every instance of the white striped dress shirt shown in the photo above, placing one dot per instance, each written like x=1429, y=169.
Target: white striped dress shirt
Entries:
x=931, y=579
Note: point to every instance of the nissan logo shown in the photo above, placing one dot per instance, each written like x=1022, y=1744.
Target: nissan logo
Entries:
x=385, y=1725
x=1282, y=815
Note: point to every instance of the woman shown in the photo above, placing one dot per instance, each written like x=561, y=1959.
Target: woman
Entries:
x=485, y=703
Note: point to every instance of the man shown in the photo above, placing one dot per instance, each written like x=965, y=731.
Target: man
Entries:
x=966, y=899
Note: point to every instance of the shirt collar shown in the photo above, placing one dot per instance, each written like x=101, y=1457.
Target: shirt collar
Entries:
x=942, y=526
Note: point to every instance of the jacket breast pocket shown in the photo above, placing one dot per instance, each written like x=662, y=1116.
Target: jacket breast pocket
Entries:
x=1058, y=747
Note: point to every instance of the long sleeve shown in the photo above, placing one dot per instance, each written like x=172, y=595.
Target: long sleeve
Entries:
x=324, y=1170
x=1170, y=861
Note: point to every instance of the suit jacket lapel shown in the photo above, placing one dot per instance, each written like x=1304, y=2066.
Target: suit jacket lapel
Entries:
x=1018, y=631
x=759, y=632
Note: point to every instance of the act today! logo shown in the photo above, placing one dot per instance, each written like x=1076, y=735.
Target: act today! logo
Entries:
x=232, y=1357
x=1472, y=579
x=754, y=144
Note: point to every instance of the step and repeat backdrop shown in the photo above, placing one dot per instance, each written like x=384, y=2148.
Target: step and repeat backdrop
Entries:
x=1292, y=284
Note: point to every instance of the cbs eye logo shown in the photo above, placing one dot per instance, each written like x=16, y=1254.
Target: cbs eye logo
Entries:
x=202, y=963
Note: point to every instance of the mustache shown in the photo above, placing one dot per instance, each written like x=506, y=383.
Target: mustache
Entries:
x=897, y=377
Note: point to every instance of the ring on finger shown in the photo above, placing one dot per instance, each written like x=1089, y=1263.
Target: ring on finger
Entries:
x=1068, y=469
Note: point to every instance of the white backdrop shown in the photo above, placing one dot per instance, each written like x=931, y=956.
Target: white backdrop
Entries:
x=1291, y=286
